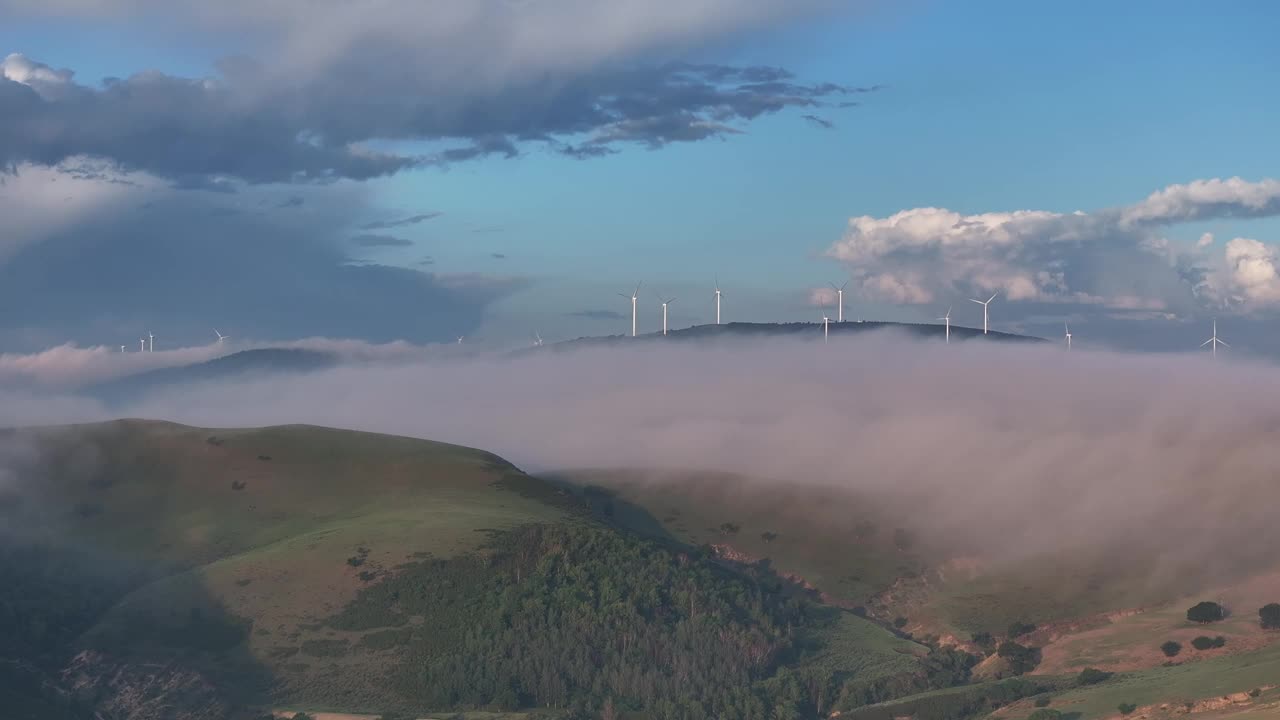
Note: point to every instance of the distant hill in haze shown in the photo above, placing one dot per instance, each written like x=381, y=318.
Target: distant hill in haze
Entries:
x=258, y=362
x=800, y=329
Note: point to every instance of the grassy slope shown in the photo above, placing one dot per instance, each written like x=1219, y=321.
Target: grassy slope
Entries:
x=817, y=536
x=275, y=551
x=1193, y=682
x=1073, y=595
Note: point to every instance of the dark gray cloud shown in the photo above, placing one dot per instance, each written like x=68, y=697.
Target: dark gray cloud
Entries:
x=290, y=202
x=116, y=274
x=371, y=241
x=400, y=222
x=819, y=121
x=597, y=315
x=498, y=256
x=201, y=133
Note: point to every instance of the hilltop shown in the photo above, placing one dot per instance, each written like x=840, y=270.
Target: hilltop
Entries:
x=256, y=363
x=801, y=329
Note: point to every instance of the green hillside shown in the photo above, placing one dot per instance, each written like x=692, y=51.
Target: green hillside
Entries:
x=228, y=572
x=155, y=571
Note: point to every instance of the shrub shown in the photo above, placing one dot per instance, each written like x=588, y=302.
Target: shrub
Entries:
x=984, y=640
x=899, y=622
x=1043, y=701
x=1171, y=648
x=729, y=528
x=1204, y=642
x=1018, y=629
x=1126, y=708
x=1269, y=615
x=860, y=611
x=1045, y=715
x=1255, y=692
x=1206, y=612
x=768, y=536
x=903, y=539
x=1093, y=676
x=1021, y=659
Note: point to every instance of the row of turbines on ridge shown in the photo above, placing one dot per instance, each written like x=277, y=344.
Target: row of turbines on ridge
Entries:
x=148, y=344
x=1213, y=342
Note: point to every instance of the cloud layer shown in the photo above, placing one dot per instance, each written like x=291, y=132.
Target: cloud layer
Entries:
x=999, y=450
x=473, y=78
x=1114, y=258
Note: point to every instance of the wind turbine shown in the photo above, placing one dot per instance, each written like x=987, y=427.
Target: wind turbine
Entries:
x=633, y=297
x=537, y=339
x=152, y=344
x=121, y=348
x=717, y=301
x=984, y=305
x=1068, y=330
x=459, y=339
x=947, y=318
x=221, y=337
x=1216, y=342
x=665, y=303
x=826, y=324
x=839, y=299
x=142, y=344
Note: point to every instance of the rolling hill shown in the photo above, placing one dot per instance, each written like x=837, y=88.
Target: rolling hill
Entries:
x=150, y=570
x=256, y=363
x=747, y=330
x=228, y=572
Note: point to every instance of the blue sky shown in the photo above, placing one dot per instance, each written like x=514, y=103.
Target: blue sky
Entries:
x=988, y=107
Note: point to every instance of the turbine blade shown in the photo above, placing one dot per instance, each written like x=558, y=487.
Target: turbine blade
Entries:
x=1206, y=342
x=978, y=301
x=993, y=296
x=1223, y=343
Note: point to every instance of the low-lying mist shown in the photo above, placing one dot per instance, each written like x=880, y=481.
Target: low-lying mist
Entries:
x=1001, y=450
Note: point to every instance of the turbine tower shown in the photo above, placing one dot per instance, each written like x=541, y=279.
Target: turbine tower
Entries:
x=984, y=304
x=633, y=297
x=1214, y=340
x=221, y=337
x=717, y=301
x=142, y=344
x=947, y=318
x=152, y=345
x=1068, y=329
x=121, y=348
x=839, y=299
x=665, y=303
x=826, y=324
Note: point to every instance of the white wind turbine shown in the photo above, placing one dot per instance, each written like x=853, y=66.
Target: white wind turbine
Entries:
x=1067, y=328
x=537, y=339
x=152, y=344
x=826, y=324
x=633, y=297
x=1216, y=342
x=947, y=318
x=121, y=348
x=839, y=299
x=984, y=304
x=665, y=303
x=717, y=301
x=142, y=344
x=221, y=337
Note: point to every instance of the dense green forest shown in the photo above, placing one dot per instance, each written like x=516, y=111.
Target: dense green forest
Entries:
x=590, y=621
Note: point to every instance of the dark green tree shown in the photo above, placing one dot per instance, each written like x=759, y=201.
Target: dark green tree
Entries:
x=1269, y=615
x=1206, y=612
